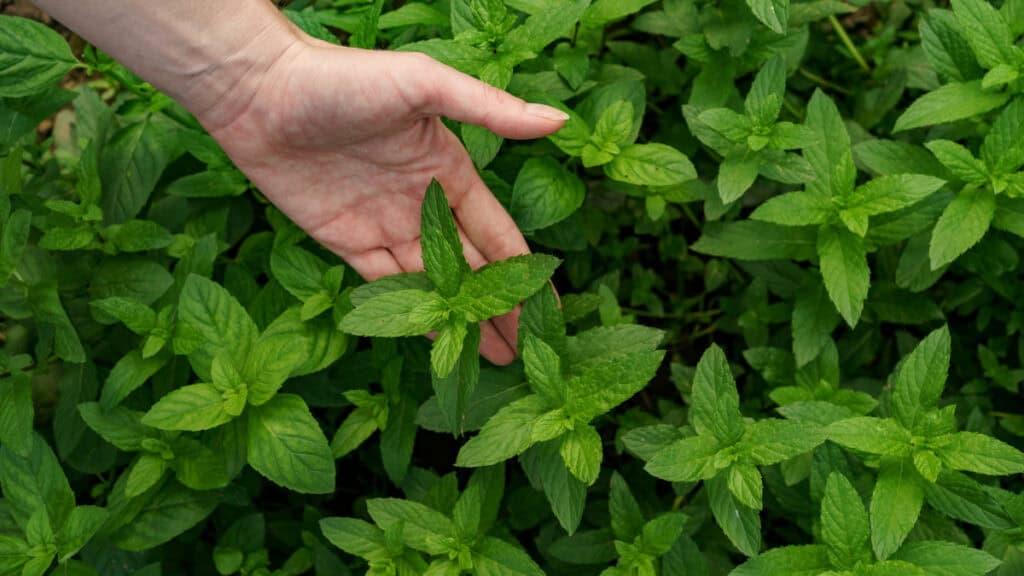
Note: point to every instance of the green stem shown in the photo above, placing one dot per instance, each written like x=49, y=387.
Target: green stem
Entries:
x=823, y=82
x=845, y=38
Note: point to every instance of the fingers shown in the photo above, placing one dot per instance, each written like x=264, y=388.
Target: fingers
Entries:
x=447, y=92
x=374, y=264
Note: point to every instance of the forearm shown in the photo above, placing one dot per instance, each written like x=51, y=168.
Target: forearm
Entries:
x=206, y=54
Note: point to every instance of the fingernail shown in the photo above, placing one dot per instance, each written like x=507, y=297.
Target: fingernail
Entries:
x=546, y=112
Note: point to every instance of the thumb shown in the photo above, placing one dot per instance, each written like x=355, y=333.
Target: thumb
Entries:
x=447, y=92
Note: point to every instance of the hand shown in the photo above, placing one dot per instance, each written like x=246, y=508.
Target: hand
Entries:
x=345, y=142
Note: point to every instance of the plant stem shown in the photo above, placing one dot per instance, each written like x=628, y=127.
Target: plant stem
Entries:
x=845, y=38
x=823, y=82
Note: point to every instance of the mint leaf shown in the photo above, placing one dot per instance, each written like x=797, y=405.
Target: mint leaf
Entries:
x=626, y=518
x=962, y=225
x=211, y=320
x=447, y=348
x=947, y=49
x=872, y=435
x=959, y=161
x=33, y=55
x=543, y=369
x=498, y=287
x=442, y=248
x=714, y=409
x=506, y=434
x=845, y=271
x=746, y=485
x=582, y=453
x=951, y=102
x=398, y=313
x=974, y=452
x=454, y=389
x=194, y=408
x=604, y=385
x=802, y=208
x=764, y=101
x=921, y=377
x=138, y=317
x=271, y=361
x=771, y=441
x=830, y=156
x=986, y=31
x=299, y=271
x=287, y=446
x=791, y=560
x=740, y=523
x=545, y=193
x=1003, y=149
x=544, y=467
x=423, y=528
x=650, y=165
x=735, y=176
x=685, y=460
x=895, y=505
x=772, y=13
x=844, y=523
x=891, y=193
x=947, y=558
x=756, y=241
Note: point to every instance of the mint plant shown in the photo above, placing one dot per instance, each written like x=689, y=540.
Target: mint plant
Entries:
x=770, y=325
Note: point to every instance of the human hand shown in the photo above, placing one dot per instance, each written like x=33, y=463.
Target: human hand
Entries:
x=345, y=141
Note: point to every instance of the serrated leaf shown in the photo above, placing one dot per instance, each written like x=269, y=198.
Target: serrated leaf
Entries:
x=895, y=505
x=951, y=102
x=963, y=224
x=921, y=377
x=844, y=523
x=844, y=269
x=33, y=56
x=287, y=446
x=497, y=288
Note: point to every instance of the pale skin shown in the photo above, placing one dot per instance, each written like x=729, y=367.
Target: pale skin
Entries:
x=343, y=141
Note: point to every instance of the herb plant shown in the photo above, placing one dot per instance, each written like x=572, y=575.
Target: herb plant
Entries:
x=769, y=325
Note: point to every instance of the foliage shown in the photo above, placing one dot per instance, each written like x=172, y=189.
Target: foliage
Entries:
x=783, y=341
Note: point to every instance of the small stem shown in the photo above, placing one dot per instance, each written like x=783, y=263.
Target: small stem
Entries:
x=823, y=82
x=845, y=38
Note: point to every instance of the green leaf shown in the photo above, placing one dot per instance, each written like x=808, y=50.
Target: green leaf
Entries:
x=130, y=373
x=299, y=271
x=606, y=11
x=986, y=31
x=830, y=156
x=12, y=242
x=16, y=412
x=959, y=161
x=394, y=283
x=962, y=225
x=209, y=184
x=423, y=528
x=946, y=48
x=164, y=515
x=454, y=390
x=48, y=310
x=800, y=208
x=604, y=384
x=145, y=473
x=1003, y=149
x=447, y=348
x=891, y=193
x=545, y=26
x=627, y=520
x=895, y=505
x=974, y=452
x=809, y=560
x=566, y=495
x=772, y=440
x=650, y=165
x=614, y=127
x=211, y=320
x=714, y=402
x=82, y=524
x=741, y=524
x=735, y=176
x=590, y=547
x=495, y=557
x=35, y=482
x=130, y=166
x=746, y=485
x=543, y=369
x=545, y=193
x=442, y=248
x=33, y=56
x=271, y=361
x=753, y=240
x=582, y=453
x=952, y=102
x=844, y=269
x=498, y=287
x=872, y=435
x=357, y=537
x=120, y=426
x=661, y=533
x=947, y=558
x=772, y=13
x=844, y=523
x=287, y=446
x=198, y=466
x=138, y=317
x=195, y=407
x=506, y=434
x=399, y=313
x=685, y=460
x=814, y=319
x=357, y=427
x=764, y=101
x=920, y=379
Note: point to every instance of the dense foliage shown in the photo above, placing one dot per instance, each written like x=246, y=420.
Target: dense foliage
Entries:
x=785, y=237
